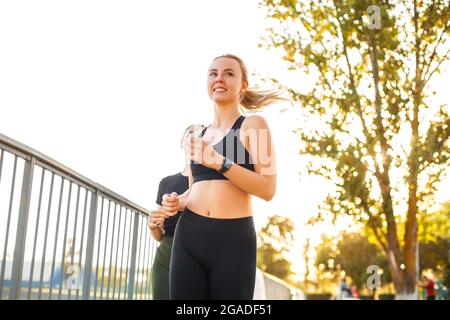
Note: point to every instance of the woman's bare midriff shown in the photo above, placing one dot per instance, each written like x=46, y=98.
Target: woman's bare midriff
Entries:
x=219, y=199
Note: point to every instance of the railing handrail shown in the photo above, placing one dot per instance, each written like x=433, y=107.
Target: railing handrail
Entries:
x=25, y=151
x=279, y=281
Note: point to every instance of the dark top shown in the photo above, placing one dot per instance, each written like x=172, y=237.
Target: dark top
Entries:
x=231, y=147
x=174, y=183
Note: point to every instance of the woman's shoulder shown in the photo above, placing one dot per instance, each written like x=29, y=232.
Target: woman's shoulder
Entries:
x=254, y=121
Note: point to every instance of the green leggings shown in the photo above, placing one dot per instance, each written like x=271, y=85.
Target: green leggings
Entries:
x=160, y=270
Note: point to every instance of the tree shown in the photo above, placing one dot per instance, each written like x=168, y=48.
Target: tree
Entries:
x=378, y=134
x=327, y=272
x=356, y=253
x=274, y=241
x=351, y=253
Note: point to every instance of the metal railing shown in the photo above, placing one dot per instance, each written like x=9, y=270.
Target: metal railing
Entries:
x=275, y=288
x=63, y=236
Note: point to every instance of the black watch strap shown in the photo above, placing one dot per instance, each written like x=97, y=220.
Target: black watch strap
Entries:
x=226, y=165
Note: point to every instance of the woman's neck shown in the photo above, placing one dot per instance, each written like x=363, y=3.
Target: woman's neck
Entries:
x=225, y=115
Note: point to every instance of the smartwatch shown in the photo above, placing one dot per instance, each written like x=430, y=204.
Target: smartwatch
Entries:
x=226, y=165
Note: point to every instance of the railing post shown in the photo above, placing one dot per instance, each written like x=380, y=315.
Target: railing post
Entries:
x=21, y=234
x=133, y=256
x=87, y=272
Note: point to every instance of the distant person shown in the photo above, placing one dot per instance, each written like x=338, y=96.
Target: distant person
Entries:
x=441, y=290
x=355, y=292
x=162, y=226
x=344, y=290
x=428, y=285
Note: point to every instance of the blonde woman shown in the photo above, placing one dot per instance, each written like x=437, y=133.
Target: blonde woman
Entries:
x=214, y=249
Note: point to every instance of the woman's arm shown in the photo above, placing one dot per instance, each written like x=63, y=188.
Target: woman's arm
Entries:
x=185, y=196
x=156, y=223
x=262, y=182
x=156, y=232
x=172, y=203
x=251, y=182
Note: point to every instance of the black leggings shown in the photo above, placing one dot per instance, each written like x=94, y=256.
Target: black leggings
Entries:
x=213, y=258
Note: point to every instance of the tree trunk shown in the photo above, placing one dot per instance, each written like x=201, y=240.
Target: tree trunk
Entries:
x=404, y=280
x=407, y=292
x=396, y=272
x=405, y=296
x=413, y=165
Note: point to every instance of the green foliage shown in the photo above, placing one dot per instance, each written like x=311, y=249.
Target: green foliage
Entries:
x=435, y=225
x=351, y=253
x=274, y=241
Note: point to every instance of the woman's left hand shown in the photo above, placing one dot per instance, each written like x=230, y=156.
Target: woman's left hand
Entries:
x=170, y=204
x=201, y=151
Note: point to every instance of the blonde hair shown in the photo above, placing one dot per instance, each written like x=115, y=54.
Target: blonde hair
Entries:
x=254, y=99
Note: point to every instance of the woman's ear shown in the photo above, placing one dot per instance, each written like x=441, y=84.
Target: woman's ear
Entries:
x=244, y=86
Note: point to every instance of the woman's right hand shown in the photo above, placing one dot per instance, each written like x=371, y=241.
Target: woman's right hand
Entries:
x=156, y=219
x=171, y=203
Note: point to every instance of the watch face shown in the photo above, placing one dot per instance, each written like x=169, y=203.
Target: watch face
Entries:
x=226, y=165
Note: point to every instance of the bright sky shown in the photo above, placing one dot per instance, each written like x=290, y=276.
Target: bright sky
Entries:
x=107, y=88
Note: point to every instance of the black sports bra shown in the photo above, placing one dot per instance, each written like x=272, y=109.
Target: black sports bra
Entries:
x=232, y=148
